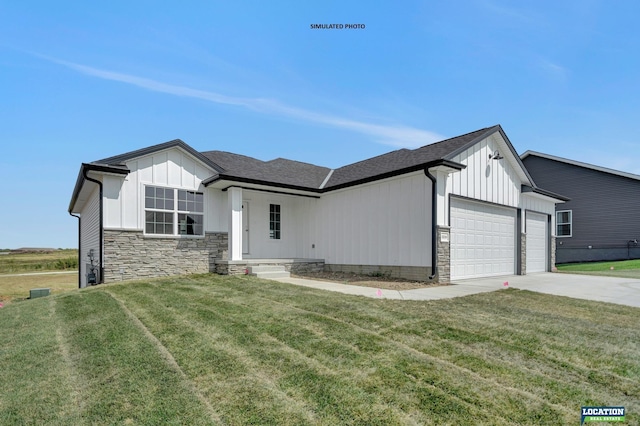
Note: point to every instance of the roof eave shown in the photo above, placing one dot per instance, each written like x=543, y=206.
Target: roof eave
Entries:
x=535, y=190
x=422, y=166
x=176, y=143
x=451, y=165
x=94, y=167
x=236, y=179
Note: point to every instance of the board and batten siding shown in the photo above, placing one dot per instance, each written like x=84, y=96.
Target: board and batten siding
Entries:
x=173, y=168
x=605, y=207
x=387, y=222
x=89, y=233
x=530, y=203
x=292, y=225
x=494, y=181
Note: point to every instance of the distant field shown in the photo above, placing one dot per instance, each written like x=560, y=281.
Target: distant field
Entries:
x=622, y=268
x=57, y=260
x=13, y=286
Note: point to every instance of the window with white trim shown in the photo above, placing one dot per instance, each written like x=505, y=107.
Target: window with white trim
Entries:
x=564, y=225
x=274, y=221
x=171, y=211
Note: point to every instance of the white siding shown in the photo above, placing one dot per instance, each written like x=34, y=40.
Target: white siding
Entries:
x=495, y=181
x=89, y=232
x=537, y=242
x=292, y=231
x=124, y=208
x=531, y=203
x=382, y=223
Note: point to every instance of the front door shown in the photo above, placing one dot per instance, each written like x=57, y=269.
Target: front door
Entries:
x=245, y=227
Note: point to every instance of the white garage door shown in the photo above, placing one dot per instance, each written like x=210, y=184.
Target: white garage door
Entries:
x=483, y=240
x=536, y=229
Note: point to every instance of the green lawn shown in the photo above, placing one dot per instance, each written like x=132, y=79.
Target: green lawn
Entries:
x=238, y=350
x=622, y=268
x=17, y=287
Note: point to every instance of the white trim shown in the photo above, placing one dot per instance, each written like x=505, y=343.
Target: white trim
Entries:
x=570, y=223
x=580, y=164
x=175, y=212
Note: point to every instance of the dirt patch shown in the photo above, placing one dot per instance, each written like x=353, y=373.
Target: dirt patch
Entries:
x=381, y=282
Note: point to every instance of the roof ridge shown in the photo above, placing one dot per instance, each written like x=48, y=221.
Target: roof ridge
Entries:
x=582, y=164
x=295, y=161
x=456, y=137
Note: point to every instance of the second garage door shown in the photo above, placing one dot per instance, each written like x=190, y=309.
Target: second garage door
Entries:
x=536, y=228
x=483, y=240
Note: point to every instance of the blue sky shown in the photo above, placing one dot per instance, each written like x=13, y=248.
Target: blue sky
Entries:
x=80, y=81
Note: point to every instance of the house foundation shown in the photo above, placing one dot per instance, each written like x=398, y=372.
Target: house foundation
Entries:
x=132, y=255
x=295, y=266
x=443, y=235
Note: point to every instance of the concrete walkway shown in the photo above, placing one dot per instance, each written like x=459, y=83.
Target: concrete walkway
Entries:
x=428, y=293
x=623, y=291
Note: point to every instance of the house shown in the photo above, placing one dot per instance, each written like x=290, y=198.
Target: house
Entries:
x=602, y=220
x=461, y=208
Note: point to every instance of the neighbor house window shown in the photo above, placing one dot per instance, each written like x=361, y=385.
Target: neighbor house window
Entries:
x=170, y=211
x=564, y=223
x=274, y=221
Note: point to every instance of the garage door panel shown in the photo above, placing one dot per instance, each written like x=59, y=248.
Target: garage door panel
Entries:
x=482, y=239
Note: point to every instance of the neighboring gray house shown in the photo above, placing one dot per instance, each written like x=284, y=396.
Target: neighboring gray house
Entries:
x=461, y=208
x=602, y=219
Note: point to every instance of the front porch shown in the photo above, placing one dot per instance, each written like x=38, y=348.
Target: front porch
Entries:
x=240, y=267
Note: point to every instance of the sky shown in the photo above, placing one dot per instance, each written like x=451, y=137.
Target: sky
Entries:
x=81, y=81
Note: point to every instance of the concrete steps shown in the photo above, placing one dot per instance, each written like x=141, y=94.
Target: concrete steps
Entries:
x=269, y=271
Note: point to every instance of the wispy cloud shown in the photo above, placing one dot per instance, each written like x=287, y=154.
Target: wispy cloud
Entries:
x=394, y=135
x=551, y=68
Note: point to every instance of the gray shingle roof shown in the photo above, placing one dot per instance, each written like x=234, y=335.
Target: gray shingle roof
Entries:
x=299, y=175
x=278, y=171
x=403, y=159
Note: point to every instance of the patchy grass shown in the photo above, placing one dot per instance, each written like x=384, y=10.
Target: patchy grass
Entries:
x=238, y=350
x=56, y=260
x=17, y=287
x=623, y=268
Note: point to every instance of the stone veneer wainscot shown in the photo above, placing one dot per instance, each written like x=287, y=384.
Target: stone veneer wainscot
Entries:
x=131, y=255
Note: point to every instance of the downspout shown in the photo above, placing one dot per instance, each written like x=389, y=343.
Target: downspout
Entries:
x=434, y=223
x=79, y=249
x=84, y=173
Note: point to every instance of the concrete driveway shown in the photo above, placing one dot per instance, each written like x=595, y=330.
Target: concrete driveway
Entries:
x=623, y=291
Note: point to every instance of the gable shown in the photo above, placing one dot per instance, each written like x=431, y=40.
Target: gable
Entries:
x=492, y=180
x=170, y=167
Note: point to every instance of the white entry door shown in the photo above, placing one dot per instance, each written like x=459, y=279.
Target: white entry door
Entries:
x=245, y=227
x=536, y=230
x=483, y=240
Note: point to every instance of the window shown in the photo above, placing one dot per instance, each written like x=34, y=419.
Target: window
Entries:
x=171, y=211
x=274, y=221
x=563, y=223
